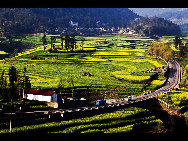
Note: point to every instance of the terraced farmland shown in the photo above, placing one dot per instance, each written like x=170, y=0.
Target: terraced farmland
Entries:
x=115, y=62
x=127, y=120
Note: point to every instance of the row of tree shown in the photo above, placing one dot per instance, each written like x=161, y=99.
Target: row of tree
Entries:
x=16, y=85
x=67, y=41
x=162, y=50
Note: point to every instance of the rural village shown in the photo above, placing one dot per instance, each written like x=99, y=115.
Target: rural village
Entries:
x=130, y=77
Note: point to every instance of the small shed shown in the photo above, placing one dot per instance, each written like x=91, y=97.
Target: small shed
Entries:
x=40, y=95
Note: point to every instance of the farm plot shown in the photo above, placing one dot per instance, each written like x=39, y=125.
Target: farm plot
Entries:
x=177, y=100
x=107, y=64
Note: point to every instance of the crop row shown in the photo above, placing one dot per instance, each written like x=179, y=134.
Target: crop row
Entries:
x=122, y=120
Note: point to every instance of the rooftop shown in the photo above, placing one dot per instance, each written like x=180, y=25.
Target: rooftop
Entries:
x=40, y=92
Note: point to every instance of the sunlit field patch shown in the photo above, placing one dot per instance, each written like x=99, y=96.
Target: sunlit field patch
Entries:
x=3, y=52
x=94, y=59
x=135, y=50
x=110, y=53
x=157, y=82
x=132, y=77
x=139, y=54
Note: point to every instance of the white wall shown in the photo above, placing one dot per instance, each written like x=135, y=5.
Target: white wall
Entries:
x=37, y=97
x=30, y=96
x=46, y=98
x=52, y=98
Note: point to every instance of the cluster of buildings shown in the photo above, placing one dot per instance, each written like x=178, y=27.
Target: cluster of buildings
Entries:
x=98, y=30
x=76, y=29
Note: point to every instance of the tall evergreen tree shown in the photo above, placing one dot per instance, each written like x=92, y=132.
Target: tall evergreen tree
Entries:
x=12, y=80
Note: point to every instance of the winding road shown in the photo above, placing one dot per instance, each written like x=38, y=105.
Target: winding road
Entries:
x=171, y=83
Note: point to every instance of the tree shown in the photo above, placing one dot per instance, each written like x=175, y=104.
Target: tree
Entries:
x=182, y=47
x=2, y=27
x=62, y=39
x=72, y=43
x=44, y=41
x=17, y=83
x=60, y=87
x=183, y=50
x=26, y=82
x=82, y=44
x=177, y=41
x=67, y=39
x=161, y=49
x=53, y=39
x=12, y=80
x=3, y=85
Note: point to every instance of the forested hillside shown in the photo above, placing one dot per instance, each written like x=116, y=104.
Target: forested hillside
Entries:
x=55, y=20
x=32, y=20
x=155, y=26
x=178, y=16
x=151, y=12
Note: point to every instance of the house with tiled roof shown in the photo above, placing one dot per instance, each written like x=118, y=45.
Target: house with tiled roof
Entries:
x=40, y=95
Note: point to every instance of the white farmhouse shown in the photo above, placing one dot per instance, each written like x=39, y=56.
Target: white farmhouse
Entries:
x=40, y=95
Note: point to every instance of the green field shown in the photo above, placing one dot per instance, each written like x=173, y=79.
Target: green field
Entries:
x=115, y=65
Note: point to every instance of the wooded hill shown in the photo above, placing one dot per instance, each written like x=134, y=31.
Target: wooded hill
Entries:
x=178, y=16
x=56, y=20
x=155, y=26
x=33, y=20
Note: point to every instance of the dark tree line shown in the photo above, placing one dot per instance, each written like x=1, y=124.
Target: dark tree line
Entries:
x=16, y=85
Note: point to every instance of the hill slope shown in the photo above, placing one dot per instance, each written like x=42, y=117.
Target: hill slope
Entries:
x=155, y=26
x=87, y=17
x=159, y=12
x=31, y=20
x=178, y=16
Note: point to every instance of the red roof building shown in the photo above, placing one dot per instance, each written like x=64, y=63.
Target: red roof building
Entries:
x=41, y=95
